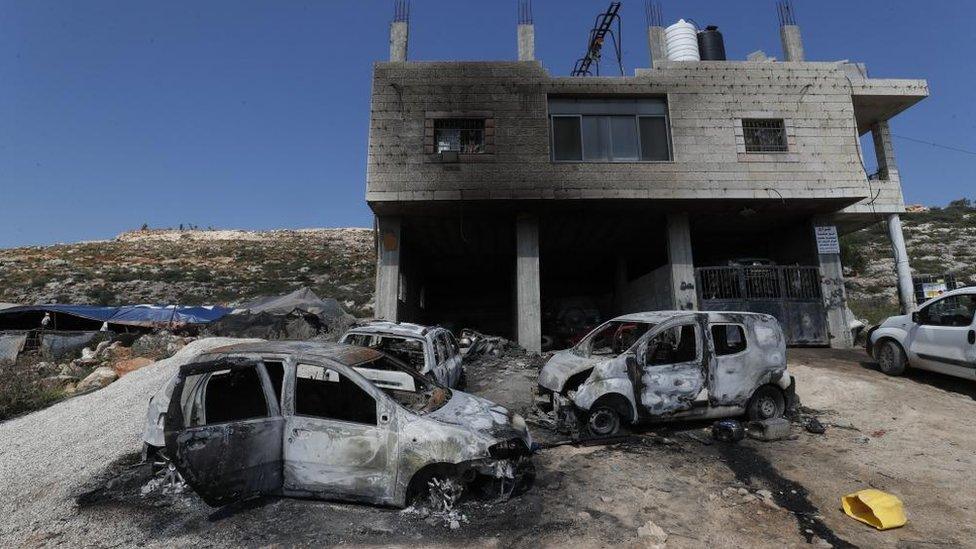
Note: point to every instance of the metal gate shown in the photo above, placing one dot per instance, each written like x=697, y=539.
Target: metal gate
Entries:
x=791, y=294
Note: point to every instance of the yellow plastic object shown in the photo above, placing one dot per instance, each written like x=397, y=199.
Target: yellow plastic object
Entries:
x=879, y=509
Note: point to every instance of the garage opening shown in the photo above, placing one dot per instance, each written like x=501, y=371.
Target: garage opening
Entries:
x=459, y=272
x=762, y=267
x=598, y=265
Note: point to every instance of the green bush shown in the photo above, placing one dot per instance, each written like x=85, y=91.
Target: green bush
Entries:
x=19, y=392
x=102, y=295
x=874, y=310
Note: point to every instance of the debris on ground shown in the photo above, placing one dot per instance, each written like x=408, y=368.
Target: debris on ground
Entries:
x=478, y=343
x=728, y=430
x=769, y=429
x=875, y=508
x=442, y=505
x=652, y=534
x=814, y=426
x=443, y=497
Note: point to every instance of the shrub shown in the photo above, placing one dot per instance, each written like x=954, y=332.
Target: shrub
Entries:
x=102, y=295
x=19, y=392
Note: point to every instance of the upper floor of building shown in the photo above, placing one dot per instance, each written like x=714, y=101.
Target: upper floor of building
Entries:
x=510, y=130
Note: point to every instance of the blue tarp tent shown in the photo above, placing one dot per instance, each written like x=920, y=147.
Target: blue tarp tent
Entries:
x=130, y=315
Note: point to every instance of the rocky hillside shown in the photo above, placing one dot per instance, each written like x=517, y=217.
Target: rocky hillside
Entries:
x=939, y=241
x=194, y=267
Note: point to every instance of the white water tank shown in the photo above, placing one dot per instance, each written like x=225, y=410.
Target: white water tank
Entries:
x=681, y=41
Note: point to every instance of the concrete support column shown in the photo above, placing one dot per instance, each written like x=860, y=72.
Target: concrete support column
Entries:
x=656, y=45
x=399, y=35
x=884, y=150
x=527, y=285
x=684, y=296
x=834, y=296
x=526, y=42
x=906, y=288
x=792, y=43
x=388, y=230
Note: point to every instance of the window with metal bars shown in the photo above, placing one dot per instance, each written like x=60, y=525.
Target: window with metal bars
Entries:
x=764, y=135
x=460, y=135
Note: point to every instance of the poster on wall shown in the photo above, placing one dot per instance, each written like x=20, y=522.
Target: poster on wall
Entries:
x=827, y=241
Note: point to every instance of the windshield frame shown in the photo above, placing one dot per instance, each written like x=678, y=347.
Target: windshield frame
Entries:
x=585, y=346
x=424, y=346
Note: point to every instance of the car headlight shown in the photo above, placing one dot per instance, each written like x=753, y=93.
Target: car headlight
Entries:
x=508, y=449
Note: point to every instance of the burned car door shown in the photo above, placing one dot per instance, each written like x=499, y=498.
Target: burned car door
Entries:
x=670, y=373
x=223, y=429
x=453, y=365
x=339, y=438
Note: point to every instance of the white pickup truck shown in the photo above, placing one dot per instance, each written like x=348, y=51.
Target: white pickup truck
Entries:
x=940, y=336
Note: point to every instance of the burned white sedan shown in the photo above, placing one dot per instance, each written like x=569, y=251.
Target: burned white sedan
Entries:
x=330, y=421
x=671, y=365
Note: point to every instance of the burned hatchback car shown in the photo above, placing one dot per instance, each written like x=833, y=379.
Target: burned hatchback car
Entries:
x=330, y=421
x=671, y=365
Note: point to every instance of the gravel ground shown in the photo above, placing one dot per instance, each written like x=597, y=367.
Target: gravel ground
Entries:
x=48, y=456
x=911, y=436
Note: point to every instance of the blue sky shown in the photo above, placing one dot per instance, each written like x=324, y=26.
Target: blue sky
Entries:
x=254, y=114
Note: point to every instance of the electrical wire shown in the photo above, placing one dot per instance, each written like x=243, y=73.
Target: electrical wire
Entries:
x=937, y=145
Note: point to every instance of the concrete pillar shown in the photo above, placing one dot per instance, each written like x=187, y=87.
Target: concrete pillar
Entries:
x=388, y=232
x=656, y=45
x=527, y=286
x=684, y=296
x=906, y=287
x=792, y=43
x=834, y=296
x=884, y=150
x=526, y=42
x=399, y=34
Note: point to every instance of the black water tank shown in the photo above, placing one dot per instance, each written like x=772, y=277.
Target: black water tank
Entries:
x=711, y=45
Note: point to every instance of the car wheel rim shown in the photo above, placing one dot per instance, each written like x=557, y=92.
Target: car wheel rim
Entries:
x=603, y=422
x=767, y=408
x=886, y=358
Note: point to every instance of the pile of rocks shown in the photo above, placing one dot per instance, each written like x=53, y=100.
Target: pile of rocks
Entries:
x=107, y=362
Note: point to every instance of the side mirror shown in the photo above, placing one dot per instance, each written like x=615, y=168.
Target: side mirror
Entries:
x=915, y=317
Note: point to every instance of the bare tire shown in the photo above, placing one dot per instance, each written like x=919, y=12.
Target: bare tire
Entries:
x=891, y=358
x=767, y=402
x=603, y=421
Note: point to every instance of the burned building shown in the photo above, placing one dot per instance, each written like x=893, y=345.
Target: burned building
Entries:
x=518, y=202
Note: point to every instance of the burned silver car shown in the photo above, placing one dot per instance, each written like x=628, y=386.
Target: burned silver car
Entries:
x=671, y=365
x=329, y=421
x=430, y=350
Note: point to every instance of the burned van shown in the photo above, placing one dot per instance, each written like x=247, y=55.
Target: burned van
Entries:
x=330, y=421
x=667, y=365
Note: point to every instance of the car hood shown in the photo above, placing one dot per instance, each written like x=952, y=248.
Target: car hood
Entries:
x=482, y=417
x=898, y=321
x=562, y=366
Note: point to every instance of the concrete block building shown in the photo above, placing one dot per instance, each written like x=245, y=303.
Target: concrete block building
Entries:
x=525, y=204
